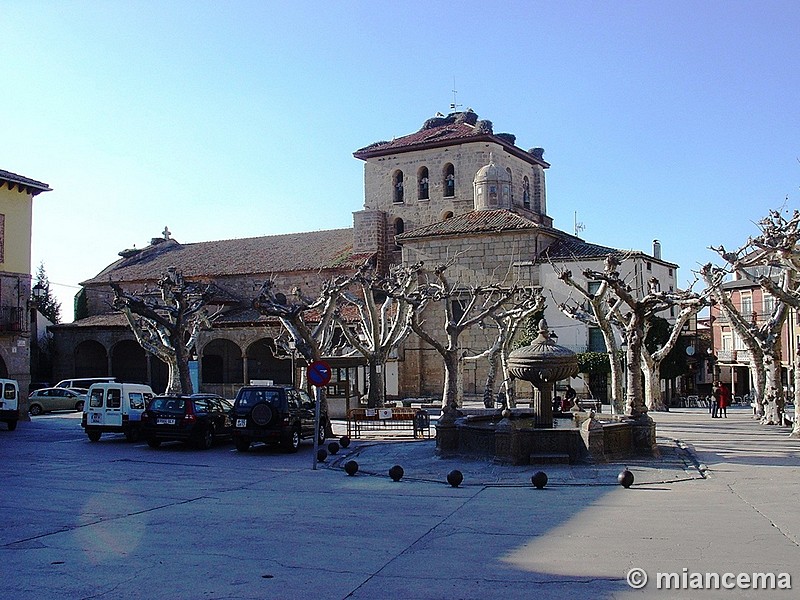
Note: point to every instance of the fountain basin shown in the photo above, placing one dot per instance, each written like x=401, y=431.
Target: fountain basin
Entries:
x=515, y=439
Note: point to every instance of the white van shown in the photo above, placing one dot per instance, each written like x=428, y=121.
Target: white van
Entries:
x=83, y=382
x=115, y=408
x=9, y=403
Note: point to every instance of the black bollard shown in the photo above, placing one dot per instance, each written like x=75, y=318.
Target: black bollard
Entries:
x=539, y=480
x=455, y=477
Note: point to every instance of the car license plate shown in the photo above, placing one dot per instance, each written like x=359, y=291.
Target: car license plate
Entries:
x=241, y=422
x=165, y=421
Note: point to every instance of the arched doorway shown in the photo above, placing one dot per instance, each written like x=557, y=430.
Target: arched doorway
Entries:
x=221, y=367
x=262, y=364
x=91, y=359
x=129, y=362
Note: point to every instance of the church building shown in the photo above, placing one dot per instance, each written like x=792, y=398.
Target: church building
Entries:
x=454, y=191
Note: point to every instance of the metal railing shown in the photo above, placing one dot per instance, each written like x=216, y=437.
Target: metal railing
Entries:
x=12, y=319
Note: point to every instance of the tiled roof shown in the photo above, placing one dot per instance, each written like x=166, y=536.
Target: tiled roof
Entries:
x=568, y=247
x=35, y=186
x=475, y=222
x=113, y=319
x=310, y=251
x=573, y=247
x=445, y=131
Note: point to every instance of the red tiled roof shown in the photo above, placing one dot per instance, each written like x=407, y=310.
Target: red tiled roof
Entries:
x=475, y=222
x=332, y=249
x=445, y=131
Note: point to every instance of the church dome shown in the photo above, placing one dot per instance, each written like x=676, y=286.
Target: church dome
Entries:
x=491, y=172
x=492, y=187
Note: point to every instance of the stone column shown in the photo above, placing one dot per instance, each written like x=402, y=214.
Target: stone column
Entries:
x=543, y=406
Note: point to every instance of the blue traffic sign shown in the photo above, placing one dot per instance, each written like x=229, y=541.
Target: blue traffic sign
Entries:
x=319, y=373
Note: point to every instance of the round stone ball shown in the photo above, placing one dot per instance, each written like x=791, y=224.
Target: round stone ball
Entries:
x=625, y=478
x=539, y=480
x=455, y=477
x=333, y=447
x=322, y=454
x=344, y=441
x=351, y=467
x=396, y=473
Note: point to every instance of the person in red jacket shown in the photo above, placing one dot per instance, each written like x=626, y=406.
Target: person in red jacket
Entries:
x=724, y=400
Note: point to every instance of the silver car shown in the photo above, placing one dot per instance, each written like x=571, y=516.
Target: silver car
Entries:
x=54, y=398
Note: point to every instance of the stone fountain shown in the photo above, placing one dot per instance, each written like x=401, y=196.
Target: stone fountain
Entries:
x=534, y=436
x=543, y=363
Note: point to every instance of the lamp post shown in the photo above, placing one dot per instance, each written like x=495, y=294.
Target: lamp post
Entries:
x=624, y=347
x=37, y=293
x=293, y=348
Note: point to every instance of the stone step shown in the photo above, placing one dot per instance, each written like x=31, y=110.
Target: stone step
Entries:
x=546, y=458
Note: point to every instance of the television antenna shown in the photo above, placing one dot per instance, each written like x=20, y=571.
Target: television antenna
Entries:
x=578, y=226
x=454, y=105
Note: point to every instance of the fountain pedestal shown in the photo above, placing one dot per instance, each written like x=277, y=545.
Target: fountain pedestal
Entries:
x=543, y=363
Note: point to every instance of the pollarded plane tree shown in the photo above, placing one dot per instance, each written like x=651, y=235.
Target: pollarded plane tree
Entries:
x=168, y=327
x=384, y=318
x=689, y=304
x=772, y=260
x=462, y=307
x=529, y=305
x=633, y=316
x=309, y=321
x=597, y=311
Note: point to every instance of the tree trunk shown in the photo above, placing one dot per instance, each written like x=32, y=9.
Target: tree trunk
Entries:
x=652, y=382
x=773, y=389
x=634, y=404
x=376, y=398
x=617, y=389
x=491, y=377
x=453, y=384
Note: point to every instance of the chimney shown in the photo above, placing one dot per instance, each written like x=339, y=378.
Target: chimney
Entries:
x=657, y=249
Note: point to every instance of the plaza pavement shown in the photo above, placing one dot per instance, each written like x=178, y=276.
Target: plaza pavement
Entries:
x=115, y=520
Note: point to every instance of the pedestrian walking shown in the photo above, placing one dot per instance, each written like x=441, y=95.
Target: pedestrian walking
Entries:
x=724, y=400
x=716, y=393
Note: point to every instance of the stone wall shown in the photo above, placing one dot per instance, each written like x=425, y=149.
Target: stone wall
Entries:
x=466, y=158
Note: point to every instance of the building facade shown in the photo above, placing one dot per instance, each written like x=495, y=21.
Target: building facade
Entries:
x=454, y=191
x=733, y=357
x=17, y=315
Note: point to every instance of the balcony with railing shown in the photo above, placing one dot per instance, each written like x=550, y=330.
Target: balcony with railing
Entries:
x=12, y=319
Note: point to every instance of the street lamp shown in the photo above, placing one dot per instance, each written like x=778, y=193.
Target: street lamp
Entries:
x=37, y=292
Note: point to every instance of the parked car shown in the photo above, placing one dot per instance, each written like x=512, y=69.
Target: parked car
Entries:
x=54, y=398
x=274, y=415
x=84, y=382
x=200, y=419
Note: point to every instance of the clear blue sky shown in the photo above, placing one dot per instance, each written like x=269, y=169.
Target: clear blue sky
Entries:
x=671, y=120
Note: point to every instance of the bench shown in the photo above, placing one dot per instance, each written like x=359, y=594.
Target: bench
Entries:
x=388, y=419
x=588, y=403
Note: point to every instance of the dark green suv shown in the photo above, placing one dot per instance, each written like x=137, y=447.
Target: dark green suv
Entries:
x=274, y=414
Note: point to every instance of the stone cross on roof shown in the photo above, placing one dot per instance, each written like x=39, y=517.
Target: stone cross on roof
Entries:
x=166, y=232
